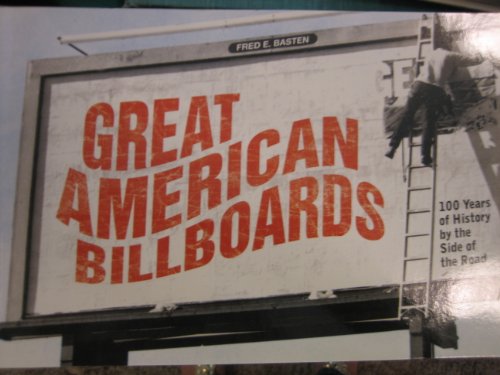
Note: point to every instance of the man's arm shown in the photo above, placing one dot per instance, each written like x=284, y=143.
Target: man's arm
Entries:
x=467, y=60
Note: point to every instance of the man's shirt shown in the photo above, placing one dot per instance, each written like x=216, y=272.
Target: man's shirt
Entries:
x=440, y=65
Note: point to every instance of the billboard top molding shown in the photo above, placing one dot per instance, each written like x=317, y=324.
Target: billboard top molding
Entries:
x=200, y=26
x=326, y=38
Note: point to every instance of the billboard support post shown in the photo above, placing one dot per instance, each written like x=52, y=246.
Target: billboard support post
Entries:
x=420, y=345
x=67, y=351
x=80, y=351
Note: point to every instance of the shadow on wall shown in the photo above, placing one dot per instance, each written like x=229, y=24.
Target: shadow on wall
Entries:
x=476, y=110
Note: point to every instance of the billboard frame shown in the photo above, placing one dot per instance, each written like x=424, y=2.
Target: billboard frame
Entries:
x=20, y=324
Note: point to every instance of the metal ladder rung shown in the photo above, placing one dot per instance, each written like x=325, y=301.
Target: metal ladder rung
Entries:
x=419, y=166
x=409, y=307
x=419, y=211
x=411, y=259
x=409, y=235
x=420, y=188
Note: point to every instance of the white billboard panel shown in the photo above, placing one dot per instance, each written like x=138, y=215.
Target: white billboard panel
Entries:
x=250, y=177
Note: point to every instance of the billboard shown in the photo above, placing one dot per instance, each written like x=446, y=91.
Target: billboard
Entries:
x=242, y=170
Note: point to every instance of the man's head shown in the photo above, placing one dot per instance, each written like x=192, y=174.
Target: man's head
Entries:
x=443, y=39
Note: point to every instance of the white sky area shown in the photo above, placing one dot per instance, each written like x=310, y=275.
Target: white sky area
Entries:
x=31, y=33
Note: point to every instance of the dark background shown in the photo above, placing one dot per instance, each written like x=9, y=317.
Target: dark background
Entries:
x=382, y=5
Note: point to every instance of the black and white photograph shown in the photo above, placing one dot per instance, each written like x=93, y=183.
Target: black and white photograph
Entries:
x=224, y=187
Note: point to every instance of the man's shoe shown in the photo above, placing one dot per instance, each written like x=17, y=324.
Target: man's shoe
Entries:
x=427, y=161
x=390, y=153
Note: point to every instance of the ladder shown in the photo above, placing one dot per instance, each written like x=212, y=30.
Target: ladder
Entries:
x=414, y=291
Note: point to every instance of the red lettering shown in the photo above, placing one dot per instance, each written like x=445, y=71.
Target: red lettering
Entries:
x=207, y=247
x=254, y=176
x=348, y=146
x=103, y=141
x=270, y=209
x=377, y=229
x=161, y=130
x=234, y=171
x=76, y=184
x=162, y=262
x=306, y=205
x=226, y=118
x=84, y=251
x=110, y=199
x=117, y=265
x=301, y=131
x=330, y=228
x=128, y=135
x=134, y=268
x=197, y=183
x=198, y=113
x=162, y=200
x=242, y=209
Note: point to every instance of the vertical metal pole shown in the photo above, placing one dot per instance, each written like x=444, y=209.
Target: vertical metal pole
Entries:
x=67, y=351
x=420, y=345
x=86, y=351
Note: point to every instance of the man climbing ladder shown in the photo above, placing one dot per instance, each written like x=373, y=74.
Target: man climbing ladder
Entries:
x=428, y=90
x=436, y=67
